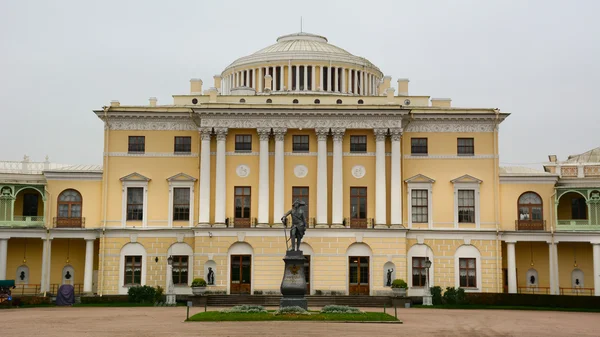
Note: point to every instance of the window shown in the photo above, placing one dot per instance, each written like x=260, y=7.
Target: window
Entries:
x=301, y=193
x=578, y=209
x=418, y=146
x=419, y=272
x=133, y=270
x=467, y=273
x=135, y=203
x=181, y=204
x=419, y=204
x=466, y=206
x=137, y=144
x=242, y=202
x=358, y=207
x=30, y=204
x=358, y=143
x=69, y=204
x=243, y=142
x=466, y=147
x=300, y=143
x=183, y=144
x=530, y=207
x=180, y=270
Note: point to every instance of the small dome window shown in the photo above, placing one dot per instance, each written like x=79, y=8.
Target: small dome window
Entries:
x=295, y=101
x=360, y=101
x=317, y=101
x=269, y=101
x=339, y=101
x=195, y=101
x=242, y=100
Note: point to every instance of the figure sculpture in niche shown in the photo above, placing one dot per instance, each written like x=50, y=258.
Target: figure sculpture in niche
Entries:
x=298, y=227
x=22, y=275
x=68, y=275
x=389, y=277
x=210, y=277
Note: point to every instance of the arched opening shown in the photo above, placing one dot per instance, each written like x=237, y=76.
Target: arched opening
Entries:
x=182, y=267
x=389, y=273
x=69, y=209
x=467, y=268
x=68, y=275
x=339, y=101
x=317, y=101
x=532, y=278
x=29, y=206
x=132, y=267
x=360, y=101
x=572, y=209
x=295, y=101
x=210, y=273
x=577, y=278
x=242, y=100
x=22, y=275
x=530, y=212
x=359, y=269
x=269, y=101
x=417, y=273
x=240, y=268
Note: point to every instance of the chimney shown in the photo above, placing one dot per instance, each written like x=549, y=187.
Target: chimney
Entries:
x=268, y=80
x=390, y=95
x=115, y=103
x=441, y=102
x=385, y=84
x=196, y=86
x=152, y=101
x=403, y=87
x=217, y=80
x=212, y=93
x=552, y=158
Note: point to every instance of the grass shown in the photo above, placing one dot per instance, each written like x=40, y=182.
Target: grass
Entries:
x=498, y=307
x=216, y=316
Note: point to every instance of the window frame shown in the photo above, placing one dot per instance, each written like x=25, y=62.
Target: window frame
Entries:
x=134, y=180
x=246, y=197
x=414, y=147
x=529, y=221
x=461, y=218
x=359, y=197
x=357, y=142
x=241, y=141
x=421, y=267
x=578, y=206
x=136, y=144
x=178, y=259
x=465, y=148
x=70, y=205
x=131, y=218
x=133, y=262
x=467, y=182
x=187, y=147
x=174, y=207
x=467, y=268
x=298, y=146
x=420, y=182
x=303, y=197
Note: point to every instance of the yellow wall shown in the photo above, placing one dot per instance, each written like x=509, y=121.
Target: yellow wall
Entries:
x=72, y=250
x=509, y=198
x=18, y=206
x=564, y=205
x=91, y=194
x=28, y=249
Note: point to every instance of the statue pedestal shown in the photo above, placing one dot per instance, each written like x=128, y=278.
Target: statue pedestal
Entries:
x=171, y=299
x=293, y=285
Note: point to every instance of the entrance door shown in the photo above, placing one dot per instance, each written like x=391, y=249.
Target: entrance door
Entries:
x=359, y=275
x=307, y=272
x=30, y=204
x=240, y=274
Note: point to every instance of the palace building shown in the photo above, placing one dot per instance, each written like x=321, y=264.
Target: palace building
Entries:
x=390, y=179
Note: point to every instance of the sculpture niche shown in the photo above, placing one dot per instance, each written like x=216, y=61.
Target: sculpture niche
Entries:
x=293, y=285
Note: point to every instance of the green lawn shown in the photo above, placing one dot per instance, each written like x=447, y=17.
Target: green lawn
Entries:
x=216, y=316
x=497, y=307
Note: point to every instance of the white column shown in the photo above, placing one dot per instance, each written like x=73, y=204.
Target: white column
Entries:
x=281, y=78
x=337, y=187
x=396, y=180
x=511, y=267
x=263, y=178
x=596, y=259
x=3, y=258
x=380, y=183
x=336, y=84
x=261, y=79
x=313, y=76
x=253, y=82
x=220, y=176
x=289, y=85
x=553, y=259
x=46, y=263
x=355, y=82
x=89, y=266
x=321, y=77
x=343, y=80
x=204, y=202
x=305, y=78
x=322, y=221
x=363, y=85
x=278, y=177
x=329, y=78
x=297, y=77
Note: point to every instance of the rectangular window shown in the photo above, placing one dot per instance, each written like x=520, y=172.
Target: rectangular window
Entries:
x=358, y=202
x=466, y=206
x=242, y=202
x=180, y=270
x=358, y=143
x=181, y=204
x=243, y=143
x=301, y=193
x=135, y=203
x=420, y=206
x=418, y=146
x=467, y=273
x=300, y=143
x=133, y=270
x=419, y=272
x=137, y=144
x=30, y=204
x=183, y=144
x=466, y=146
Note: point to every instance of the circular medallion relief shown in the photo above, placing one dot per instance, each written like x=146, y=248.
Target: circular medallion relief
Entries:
x=358, y=171
x=242, y=171
x=300, y=171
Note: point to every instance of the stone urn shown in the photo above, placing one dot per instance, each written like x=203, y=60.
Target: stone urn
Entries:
x=399, y=292
x=198, y=290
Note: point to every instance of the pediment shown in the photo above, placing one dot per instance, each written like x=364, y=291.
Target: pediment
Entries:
x=135, y=177
x=181, y=177
x=419, y=178
x=466, y=179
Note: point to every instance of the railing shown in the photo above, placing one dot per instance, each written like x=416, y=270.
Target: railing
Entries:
x=533, y=290
x=577, y=291
x=360, y=223
x=32, y=289
x=24, y=221
x=576, y=225
x=530, y=225
x=60, y=222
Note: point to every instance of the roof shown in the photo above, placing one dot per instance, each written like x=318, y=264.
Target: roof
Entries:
x=591, y=156
x=302, y=46
x=77, y=168
x=522, y=171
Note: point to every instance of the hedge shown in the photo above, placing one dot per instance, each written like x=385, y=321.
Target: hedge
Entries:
x=104, y=299
x=534, y=300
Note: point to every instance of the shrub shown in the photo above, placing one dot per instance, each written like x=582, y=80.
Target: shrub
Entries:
x=454, y=296
x=245, y=309
x=198, y=282
x=399, y=283
x=141, y=294
x=215, y=292
x=258, y=292
x=295, y=310
x=159, y=293
x=319, y=292
x=340, y=309
x=436, y=295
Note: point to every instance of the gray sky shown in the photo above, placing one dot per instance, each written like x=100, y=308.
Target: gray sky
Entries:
x=59, y=60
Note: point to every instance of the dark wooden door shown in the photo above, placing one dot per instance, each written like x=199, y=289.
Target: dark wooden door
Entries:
x=358, y=275
x=307, y=272
x=240, y=274
x=30, y=204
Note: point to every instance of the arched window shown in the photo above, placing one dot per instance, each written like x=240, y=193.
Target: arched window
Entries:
x=242, y=100
x=530, y=212
x=339, y=101
x=360, y=101
x=317, y=101
x=295, y=101
x=69, y=209
x=269, y=101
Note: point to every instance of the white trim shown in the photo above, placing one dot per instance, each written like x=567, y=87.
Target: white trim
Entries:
x=71, y=270
x=359, y=249
x=467, y=186
x=468, y=251
x=525, y=179
x=180, y=184
x=450, y=156
x=240, y=248
x=128, y=250
x=307, y=250
x=421, y=186
x=125, y=185
x=419, y=250
x=94, y=176
x=182, y=249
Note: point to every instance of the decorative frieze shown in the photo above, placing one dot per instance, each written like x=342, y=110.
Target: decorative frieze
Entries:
x=462, y=126
x=301, y=123
x=152, y=125
x=450, y=156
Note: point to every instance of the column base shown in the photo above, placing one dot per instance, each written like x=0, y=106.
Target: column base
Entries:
x=220, y=225
x=322, y=225
x=427, y=300
x=263, y=225
x=396, y=226
x=277, y=225
x=203, y=225
x=380, y=226
x=171, y=299
x=337, y=226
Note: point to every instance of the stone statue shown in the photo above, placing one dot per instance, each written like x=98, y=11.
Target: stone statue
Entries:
x=298, y=224
x=211, y=276
x=22, y=275
x=68, y=275
x=389, y=277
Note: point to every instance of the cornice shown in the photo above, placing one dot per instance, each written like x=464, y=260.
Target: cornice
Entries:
x=301, y=122
x=450, y=125
x=152, y=154
x=95, y=176
x=450, y=156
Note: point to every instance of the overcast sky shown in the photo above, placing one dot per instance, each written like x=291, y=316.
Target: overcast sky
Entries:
x=59, y=60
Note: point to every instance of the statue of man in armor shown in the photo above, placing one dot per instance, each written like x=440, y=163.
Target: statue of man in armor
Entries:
x=298, y=223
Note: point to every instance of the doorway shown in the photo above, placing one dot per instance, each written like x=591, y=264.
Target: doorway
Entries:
x=240, y=274
x=358, y=275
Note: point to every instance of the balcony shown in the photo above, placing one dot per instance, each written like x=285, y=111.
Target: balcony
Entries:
x=24, y=222
x=530, y=225
x=61, y=222
x=358, y=223
x=576, y=225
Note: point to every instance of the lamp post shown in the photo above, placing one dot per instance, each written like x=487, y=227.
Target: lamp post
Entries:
x=427, y=293
x=171, y=297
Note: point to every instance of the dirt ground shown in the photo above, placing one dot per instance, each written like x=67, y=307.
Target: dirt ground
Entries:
x=153, y=321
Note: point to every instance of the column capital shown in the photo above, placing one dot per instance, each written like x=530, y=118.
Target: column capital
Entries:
x=221, y=133
x=322, y=133
x=205, y=133
x=338, y=134
x=263, y=133
x=380, y=134
x=279, y=133
x=395, y=134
